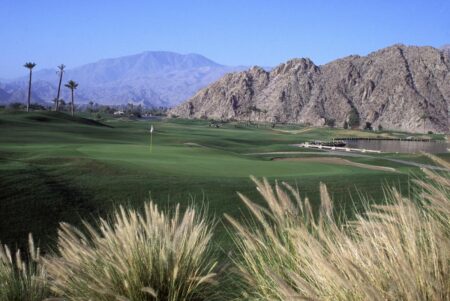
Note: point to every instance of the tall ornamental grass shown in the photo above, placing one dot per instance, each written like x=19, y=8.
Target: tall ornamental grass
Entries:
x=396, y=251
x=22, y=278
x=136, y=257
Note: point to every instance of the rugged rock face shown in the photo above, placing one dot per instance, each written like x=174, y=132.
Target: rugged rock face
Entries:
x=446, y=49
x=399, y=88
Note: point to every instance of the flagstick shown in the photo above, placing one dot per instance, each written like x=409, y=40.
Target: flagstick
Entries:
x=151, y=141
x=151, y=138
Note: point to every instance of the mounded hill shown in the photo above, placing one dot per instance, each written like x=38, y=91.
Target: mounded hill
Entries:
x=47, y=117
x=399, y=88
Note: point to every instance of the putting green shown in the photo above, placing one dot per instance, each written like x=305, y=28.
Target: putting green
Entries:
x=57, y=168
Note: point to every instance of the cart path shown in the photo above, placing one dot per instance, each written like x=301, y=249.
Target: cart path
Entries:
x=338, y=161
x=348, y=154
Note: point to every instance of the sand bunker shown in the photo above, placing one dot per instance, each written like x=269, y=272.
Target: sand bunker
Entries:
x=338, y=161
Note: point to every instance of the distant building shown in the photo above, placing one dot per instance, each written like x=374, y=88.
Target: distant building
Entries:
x=118, y=113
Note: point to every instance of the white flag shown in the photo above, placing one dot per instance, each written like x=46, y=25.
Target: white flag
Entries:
x=151, y=129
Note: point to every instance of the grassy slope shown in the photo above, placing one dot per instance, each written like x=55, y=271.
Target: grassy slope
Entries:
x=56, y=168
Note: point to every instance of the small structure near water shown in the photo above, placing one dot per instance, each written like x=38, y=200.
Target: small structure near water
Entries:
x=337, y=148
x=336, y=143
x=382, y=145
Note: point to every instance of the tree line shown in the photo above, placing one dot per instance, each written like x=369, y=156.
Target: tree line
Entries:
x=71, y=84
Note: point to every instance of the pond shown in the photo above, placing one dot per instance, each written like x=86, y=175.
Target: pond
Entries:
x=394, y=146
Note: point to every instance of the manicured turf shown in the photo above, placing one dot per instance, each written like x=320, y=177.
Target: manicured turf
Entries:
x=57, y=168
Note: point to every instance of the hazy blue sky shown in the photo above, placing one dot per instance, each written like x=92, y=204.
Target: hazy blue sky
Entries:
x=233, y=32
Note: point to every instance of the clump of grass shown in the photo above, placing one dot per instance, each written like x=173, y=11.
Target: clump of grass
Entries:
x=396, y=251
x=22, y=278
x=134, y=256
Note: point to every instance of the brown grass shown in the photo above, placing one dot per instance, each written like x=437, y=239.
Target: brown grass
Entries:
x=396, y=251
x=136, y=257
x=22, y=276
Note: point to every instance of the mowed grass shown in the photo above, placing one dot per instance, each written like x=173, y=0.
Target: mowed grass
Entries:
x=55, y=168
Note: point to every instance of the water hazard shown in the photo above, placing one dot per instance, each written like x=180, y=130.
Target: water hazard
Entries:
x=394, y=146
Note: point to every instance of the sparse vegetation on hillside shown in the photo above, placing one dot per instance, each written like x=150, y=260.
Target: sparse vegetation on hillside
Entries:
x=353, y=118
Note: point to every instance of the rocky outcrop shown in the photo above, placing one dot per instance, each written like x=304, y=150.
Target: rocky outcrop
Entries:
x=446, y=49
x=400, y=88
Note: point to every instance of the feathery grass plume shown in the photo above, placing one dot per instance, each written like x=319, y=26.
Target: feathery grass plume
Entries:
x=134, y=256
x=396, y=251
x=22, y=278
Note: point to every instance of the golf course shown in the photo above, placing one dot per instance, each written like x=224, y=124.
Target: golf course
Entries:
x=55, y=168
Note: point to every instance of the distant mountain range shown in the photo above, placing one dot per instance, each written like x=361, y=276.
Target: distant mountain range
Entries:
x=399, y=87
x=152, y=78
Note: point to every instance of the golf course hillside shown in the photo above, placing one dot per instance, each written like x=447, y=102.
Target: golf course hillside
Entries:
x=56, y=168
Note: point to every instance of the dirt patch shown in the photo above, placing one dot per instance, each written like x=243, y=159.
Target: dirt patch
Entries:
x=338, y=161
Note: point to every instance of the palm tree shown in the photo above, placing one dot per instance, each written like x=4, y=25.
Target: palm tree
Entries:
x=72, y=86
x=91, y=106
x=61, y=71
x=30, y=66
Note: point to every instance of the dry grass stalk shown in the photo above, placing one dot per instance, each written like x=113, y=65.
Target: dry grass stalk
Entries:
x=149, y=256
x=22, y=278
x=397, y=251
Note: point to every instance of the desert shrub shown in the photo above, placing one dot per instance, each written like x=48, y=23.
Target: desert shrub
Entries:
x=134, y=256
x=15, y=106
x=22, y=278
x=330, y=122
x=396, y=251
x=38, y=107
x=353, y=118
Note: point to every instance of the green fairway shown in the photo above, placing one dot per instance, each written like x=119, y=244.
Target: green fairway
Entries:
x=57, y=168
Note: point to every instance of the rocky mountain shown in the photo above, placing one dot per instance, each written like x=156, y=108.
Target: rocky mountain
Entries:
x=399, y=87
x=152, y=78
x=446, y=49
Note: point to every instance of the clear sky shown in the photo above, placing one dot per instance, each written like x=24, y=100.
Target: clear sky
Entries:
x=232, y=32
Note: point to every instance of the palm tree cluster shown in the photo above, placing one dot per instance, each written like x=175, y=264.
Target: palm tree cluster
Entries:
x=72, y=85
